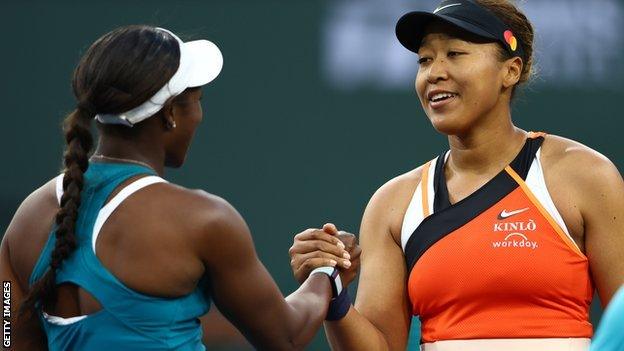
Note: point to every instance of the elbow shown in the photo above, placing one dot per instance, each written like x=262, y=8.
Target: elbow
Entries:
x=291, y=344
x=282, y=344
x=298, y=344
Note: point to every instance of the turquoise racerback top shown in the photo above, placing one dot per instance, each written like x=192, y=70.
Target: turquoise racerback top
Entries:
x=128, y=319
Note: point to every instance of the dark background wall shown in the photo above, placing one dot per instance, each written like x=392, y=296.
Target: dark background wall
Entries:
x=293, y=134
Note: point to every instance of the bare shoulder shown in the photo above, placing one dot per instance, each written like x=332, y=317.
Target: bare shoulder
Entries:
x=578, y=164
x=212, y=222
x=388, y=205
x=200, y=208
x=37, y=204
x=557, y=148
x=29, y=229
x=401, y=185
x=197, y=202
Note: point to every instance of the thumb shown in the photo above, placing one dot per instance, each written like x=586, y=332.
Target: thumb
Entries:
x=330, y=228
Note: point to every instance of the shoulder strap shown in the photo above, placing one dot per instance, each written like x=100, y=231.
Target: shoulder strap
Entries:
x=59, y=187
x=420, y=203
x=441, y=198
x=522, y=163
x=110, y=207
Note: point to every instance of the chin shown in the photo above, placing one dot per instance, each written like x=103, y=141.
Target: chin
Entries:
x=448, y=125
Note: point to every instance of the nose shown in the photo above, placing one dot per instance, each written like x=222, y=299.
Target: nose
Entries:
x=437, y=71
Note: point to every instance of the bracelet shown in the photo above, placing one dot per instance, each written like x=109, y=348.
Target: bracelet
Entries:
x=339, y=306
x=334, y=279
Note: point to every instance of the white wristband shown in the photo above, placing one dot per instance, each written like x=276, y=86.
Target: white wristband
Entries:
x=334, y=278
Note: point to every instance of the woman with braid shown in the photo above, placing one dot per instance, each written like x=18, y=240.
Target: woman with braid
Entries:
x=499, y=242
x=109, y=255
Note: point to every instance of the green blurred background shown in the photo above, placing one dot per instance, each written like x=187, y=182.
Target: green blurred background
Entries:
x=314, y=109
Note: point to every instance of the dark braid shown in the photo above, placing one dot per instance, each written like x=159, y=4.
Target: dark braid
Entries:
x=120, y=71
x=79, y=142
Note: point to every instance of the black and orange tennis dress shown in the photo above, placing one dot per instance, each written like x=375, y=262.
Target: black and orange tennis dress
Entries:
x=497, y=270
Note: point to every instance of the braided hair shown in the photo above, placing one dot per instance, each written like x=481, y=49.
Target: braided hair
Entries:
x=119, y=72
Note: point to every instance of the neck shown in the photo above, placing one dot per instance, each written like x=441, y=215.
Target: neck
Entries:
x=140, y=151
x=490, y=146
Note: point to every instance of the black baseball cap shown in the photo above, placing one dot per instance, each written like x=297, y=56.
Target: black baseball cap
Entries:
x=464, y=14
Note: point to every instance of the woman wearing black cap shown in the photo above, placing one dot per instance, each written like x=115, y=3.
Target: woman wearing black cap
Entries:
x=498, y=243
x=110, y=256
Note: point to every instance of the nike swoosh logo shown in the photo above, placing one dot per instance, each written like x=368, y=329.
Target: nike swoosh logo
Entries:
x=504, y=214
x=444, y=7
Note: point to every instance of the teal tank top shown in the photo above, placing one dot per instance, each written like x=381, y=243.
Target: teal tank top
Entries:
x=128, y=319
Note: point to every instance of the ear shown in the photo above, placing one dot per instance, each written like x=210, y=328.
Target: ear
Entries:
x=513, y=71
x=167, y=115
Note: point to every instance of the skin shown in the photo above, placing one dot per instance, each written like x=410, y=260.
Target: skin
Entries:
x=218, y=331
x=177, y=237
x=482, y=140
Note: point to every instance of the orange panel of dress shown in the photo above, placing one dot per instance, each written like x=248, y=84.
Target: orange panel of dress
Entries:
x=497, y=264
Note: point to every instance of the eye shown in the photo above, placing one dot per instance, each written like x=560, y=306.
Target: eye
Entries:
x=454, y=53
x=423, y=60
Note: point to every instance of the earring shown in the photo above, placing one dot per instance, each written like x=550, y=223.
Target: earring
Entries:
x=171, y=124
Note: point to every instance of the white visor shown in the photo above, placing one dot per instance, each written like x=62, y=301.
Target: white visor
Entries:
x=200, y=63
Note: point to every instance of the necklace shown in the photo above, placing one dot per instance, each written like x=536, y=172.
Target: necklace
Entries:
x=123, y=160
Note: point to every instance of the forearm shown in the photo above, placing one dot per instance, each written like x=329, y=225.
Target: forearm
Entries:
x=307, y=309
x=355, y=332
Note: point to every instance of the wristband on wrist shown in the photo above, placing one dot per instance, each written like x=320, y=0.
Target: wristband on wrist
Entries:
x=334, y=279
x=339, y=307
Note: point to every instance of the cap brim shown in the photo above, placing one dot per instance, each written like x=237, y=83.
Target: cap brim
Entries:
x=410, y=29
x=204, y=60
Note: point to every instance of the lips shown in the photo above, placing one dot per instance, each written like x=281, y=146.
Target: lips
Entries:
x=439, y=98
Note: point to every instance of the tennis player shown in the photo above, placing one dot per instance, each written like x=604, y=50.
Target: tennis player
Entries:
x=499, y=242
x=109, y=255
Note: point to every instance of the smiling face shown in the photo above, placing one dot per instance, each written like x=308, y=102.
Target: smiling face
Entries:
x=460, y=79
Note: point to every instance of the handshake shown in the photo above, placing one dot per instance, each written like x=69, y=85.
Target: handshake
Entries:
x=325, y=247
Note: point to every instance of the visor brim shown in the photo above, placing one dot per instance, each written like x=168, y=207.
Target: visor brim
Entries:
x=204, y=60
x=410, y=29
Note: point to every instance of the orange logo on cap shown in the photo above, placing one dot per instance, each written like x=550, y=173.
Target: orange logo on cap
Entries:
x=511, y=40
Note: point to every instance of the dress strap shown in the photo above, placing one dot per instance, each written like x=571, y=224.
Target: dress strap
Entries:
x=522, y=163
x=59, y=187
x=110, y=207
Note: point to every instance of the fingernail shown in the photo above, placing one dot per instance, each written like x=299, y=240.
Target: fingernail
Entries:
x=341, y=245
x=346, y=255
x=333, y=263
x=347, y=263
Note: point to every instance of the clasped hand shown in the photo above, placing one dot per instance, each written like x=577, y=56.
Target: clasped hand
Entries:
x=328, y=246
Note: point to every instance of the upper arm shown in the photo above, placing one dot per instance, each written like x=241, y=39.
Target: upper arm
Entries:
x=601, y=203
x=382, y=295
x=27, y=333
x=29, y=230
x=21, y=246
x=240, y=285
